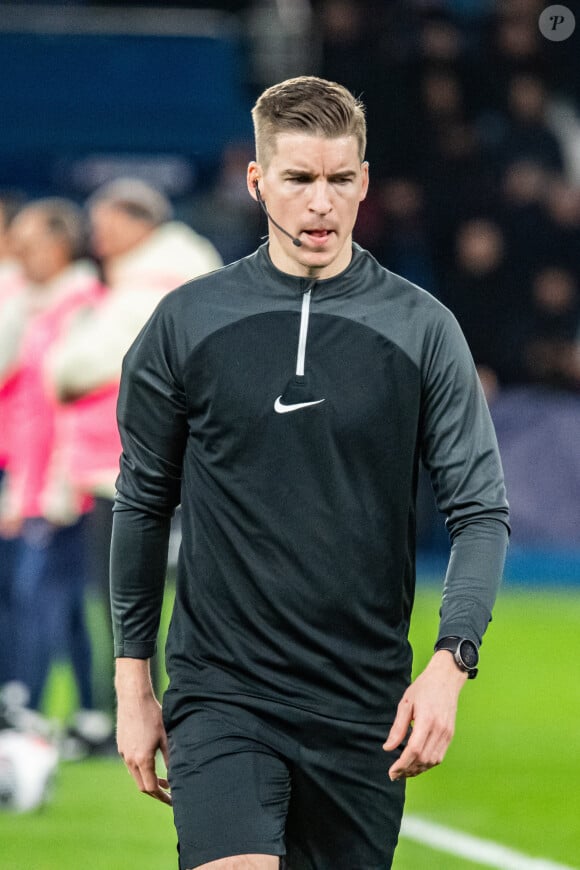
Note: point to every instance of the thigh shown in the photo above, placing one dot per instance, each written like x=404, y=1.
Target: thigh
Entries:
x=230, y=790
x=345, y=812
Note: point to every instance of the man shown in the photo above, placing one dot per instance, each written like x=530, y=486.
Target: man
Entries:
x=286, y=400
x=49, y=573
x=10, y=284
x=143, y=255
x=139, y=244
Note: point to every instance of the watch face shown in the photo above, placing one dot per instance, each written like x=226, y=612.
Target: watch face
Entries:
x=469, y=654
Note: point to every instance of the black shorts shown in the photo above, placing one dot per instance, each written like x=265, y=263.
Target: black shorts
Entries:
x=283, y=781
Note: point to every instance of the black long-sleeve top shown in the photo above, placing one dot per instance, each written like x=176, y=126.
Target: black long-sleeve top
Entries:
x=288, y=418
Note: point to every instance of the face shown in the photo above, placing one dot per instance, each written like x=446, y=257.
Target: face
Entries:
x=113, y=231
x=41, y=255
x=312, y=186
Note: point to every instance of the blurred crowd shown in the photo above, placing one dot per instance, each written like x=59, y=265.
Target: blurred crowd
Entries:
x=76, y=286
x=474, y=149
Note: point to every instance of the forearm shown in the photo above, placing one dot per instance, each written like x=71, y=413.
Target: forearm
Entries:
x=138, y=566
x=133, y=678
x=140, y=731
x=89, y=357
x=473, y=577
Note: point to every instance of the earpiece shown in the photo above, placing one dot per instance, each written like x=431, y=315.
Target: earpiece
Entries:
x=295, y=241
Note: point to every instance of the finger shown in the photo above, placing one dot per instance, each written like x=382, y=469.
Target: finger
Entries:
x=159, y=786
x=411, y=757
x=425, y=750
x=143, y=772
x=404, y=765
x=161, y=793
x=438, y=735
x=437, y=747
x=410, y=766
x=136, y=774
x=400, y=726
x=149, y=774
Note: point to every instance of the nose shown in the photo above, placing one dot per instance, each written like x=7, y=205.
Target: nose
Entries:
x=320, y=197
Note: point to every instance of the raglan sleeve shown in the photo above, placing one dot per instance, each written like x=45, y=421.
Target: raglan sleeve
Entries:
x=460, y=452
x=152, y=420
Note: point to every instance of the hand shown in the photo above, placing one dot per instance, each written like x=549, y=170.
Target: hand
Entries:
x=140, y=731
x=10, y=526
x=430, y=703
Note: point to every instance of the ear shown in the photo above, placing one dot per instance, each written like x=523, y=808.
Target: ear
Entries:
x=252, y=178
x=365, y=180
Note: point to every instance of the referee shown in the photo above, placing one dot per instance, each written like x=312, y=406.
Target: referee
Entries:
x=286, y=402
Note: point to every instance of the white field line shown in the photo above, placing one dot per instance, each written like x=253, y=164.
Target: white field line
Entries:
x=484, y=852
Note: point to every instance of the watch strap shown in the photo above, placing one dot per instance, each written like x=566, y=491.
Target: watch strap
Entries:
x=453, y=644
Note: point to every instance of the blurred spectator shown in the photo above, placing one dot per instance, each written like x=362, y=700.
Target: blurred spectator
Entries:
x=442, y=100
x=143, y=255
x=49, y=574
x=440, y=40
x=348, y=33
x=513, y=44
x=10, y=203
x=527, y=134
x=405, y=246
x=509, y=44
x=551, y=353
x=138, y=244
x=562, y=203
x=458, y=181
x=351, y=52
x=10, y=283
x=484, y=296
x=524, y=219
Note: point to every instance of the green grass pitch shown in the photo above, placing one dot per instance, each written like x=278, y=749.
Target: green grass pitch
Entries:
x=511, y=774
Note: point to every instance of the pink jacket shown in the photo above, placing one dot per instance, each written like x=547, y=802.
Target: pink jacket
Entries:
x=88, y=440
x=87, y=361
x=35, y=422
x=10, y=284
x=7, y=393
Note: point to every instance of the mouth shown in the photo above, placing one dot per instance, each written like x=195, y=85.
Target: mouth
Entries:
x=318, y=236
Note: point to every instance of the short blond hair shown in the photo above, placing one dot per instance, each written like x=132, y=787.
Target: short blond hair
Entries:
x=307, y=104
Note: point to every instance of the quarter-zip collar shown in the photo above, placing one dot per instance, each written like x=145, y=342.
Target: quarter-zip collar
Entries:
x=298, y=394
x=335, y=285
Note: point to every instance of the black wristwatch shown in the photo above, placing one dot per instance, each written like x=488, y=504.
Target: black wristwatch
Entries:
x=464, y=652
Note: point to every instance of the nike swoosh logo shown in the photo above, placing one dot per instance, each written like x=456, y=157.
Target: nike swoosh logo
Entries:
x=285, y=409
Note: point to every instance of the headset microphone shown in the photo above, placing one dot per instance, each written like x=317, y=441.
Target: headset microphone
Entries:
x=295, y=241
